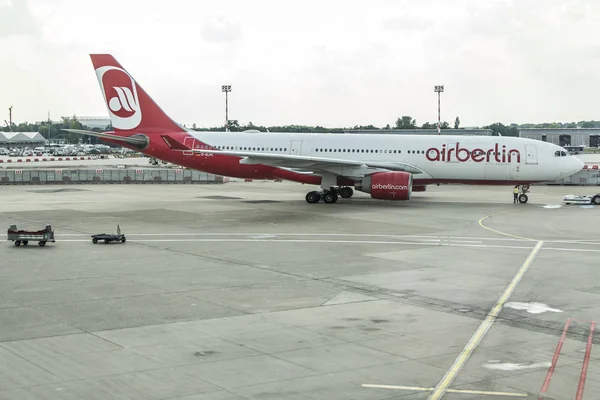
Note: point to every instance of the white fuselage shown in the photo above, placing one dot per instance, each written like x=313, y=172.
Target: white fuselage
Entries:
x=439, y=157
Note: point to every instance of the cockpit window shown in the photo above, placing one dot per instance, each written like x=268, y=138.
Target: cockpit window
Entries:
x=560, y=154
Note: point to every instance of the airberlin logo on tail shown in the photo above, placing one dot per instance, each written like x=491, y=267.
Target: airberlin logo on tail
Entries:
x=121, y=96
x=389, y=186
x=124, y=101
x=456, y=153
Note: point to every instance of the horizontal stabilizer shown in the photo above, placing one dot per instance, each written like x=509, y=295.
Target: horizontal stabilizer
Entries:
x=135, y=140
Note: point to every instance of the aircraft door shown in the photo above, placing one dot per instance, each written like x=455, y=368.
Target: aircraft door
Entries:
x=531, y=154
x=296, y=147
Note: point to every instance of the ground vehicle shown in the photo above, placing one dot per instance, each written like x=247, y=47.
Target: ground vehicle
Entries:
x=22, y=236
x=107, y=237
x=582, y=199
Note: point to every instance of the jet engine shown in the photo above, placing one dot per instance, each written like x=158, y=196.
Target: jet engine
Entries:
x=387, y=185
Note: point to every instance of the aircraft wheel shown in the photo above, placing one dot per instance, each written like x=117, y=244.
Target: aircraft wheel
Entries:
x=313, y=197
x=330, y=197
x=346, y=192
x=94, y=240
x=596, y=199
x=523, y=198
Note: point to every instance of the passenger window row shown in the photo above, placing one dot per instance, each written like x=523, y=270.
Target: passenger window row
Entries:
x=246, y=148
x=284, y=149
x=385, y=151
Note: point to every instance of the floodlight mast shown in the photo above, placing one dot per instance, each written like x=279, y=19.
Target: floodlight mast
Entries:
x=226, y=89
x=439, y=89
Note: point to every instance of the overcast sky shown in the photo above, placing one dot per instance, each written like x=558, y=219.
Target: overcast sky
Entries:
x=316, y=62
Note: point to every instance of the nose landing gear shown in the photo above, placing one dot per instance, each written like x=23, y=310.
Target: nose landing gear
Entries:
x=523, y=196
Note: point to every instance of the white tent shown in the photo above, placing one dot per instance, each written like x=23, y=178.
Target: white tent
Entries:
x=9, y=138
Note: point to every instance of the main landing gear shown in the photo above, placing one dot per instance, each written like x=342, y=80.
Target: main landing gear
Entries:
x=329, y=196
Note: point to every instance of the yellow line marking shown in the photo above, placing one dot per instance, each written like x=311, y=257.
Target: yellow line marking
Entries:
x=480, y=222
x=461, y=360
x=465, y=391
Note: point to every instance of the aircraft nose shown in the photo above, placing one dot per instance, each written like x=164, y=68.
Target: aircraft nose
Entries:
x=578, y=165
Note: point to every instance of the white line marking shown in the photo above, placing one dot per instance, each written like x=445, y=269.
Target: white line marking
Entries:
x=437, y=238
x=333, y=242
x=321, y=241
x=365, y=235
x=442, y=387
x=315, y=241
x=465, y=391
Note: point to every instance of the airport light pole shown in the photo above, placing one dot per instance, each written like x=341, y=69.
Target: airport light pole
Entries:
x=439, y=89
x=226, y=89
x=10, y=118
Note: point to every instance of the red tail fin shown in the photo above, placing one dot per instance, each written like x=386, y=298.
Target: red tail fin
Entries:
x=129, y=106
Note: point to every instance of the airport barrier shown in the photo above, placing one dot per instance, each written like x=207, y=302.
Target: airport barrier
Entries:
x=106, y=176
x=589, y=176
x=50, y=158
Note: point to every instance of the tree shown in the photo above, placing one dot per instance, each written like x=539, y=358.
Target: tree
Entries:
x=456, y=123
x=406, y=122
x=498, y=129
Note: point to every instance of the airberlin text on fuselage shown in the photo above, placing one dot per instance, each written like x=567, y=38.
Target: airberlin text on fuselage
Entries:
x=389, y=186
x=477, y=155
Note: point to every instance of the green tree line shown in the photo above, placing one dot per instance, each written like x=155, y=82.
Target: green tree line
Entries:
x=53, y=130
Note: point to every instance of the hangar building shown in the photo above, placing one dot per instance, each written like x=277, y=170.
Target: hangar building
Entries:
x=565, y=137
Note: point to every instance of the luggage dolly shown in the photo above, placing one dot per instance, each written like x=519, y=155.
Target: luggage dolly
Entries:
x=20, y=236
x=109, y=237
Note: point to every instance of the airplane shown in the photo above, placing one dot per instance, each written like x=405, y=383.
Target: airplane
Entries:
x=388, y=167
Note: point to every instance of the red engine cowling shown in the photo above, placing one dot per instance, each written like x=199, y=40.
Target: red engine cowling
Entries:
x=387, y=185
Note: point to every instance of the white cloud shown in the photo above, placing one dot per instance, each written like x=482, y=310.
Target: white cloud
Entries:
x=334, y=63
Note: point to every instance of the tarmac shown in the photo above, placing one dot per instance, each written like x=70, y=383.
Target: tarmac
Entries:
x=245, y=291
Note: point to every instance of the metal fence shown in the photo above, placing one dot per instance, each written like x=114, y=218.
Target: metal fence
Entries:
x=112, y=176
x=586, y=177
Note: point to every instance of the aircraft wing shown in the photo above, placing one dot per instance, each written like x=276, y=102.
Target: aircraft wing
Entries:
x=305, y=162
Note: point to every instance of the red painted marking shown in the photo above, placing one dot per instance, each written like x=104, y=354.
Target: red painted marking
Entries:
x=554, y=359
x=586, y=362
